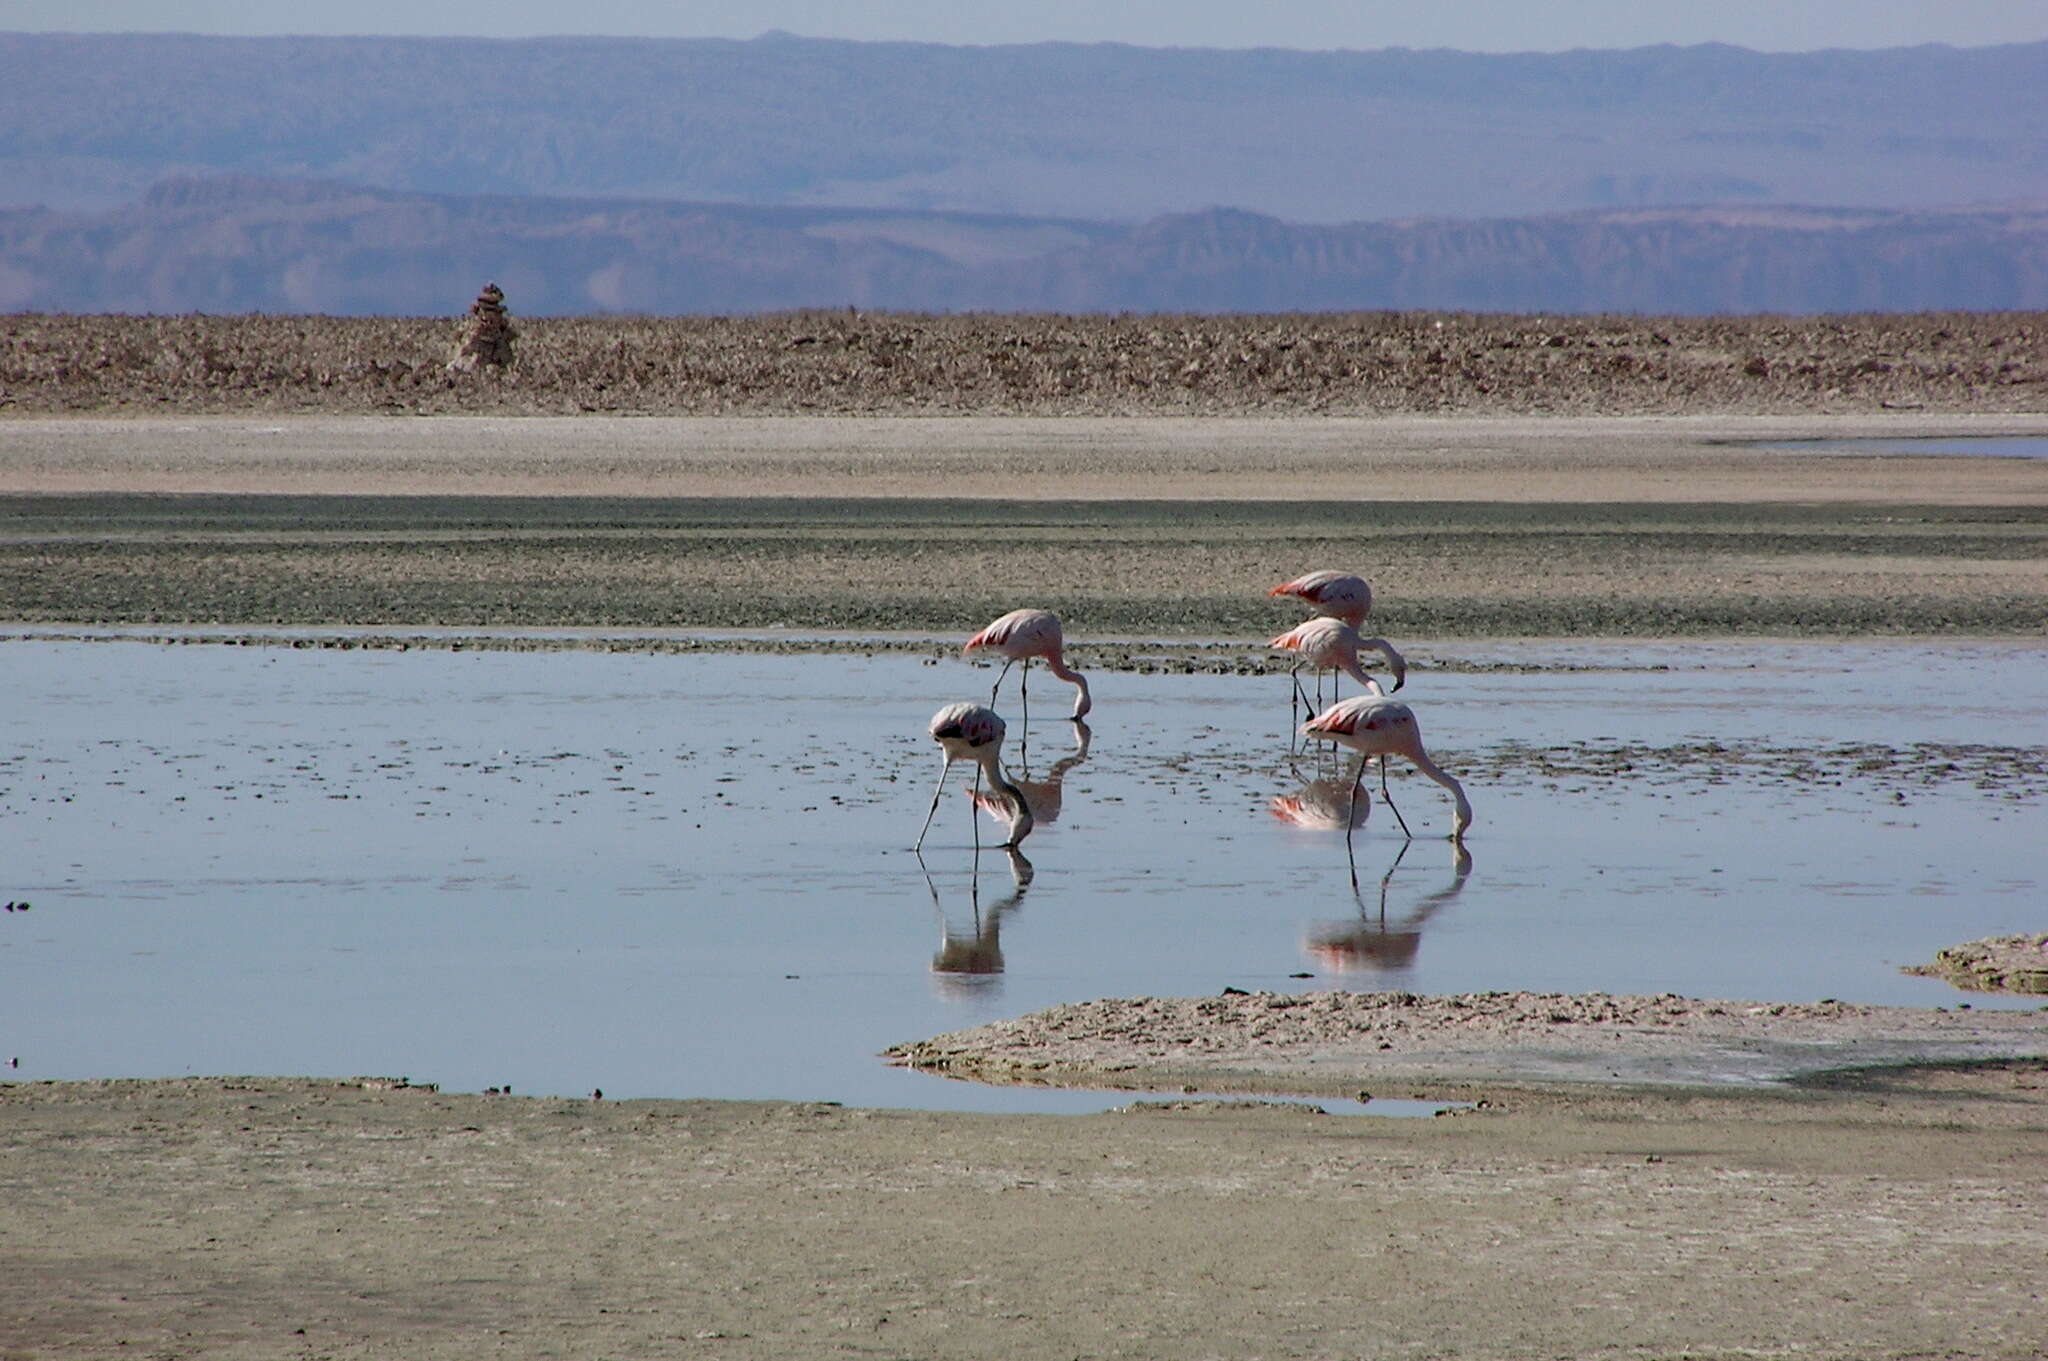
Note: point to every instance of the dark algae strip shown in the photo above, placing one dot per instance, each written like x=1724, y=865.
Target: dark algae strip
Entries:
x=1131, y=568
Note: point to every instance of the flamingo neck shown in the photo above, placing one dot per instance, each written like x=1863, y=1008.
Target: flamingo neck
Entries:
x=1396, y=663
x=1351, y=668
x=1020, y=823
x=1058, y=666
x=1449, y=782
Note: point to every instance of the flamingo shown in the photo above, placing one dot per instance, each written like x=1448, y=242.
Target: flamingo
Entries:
x=1021, y=635
x=1329, y=644
x=974, y=732
x=1372, y=725
x=1336, y=595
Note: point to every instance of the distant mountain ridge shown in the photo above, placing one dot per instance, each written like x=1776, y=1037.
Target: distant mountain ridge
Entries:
x=246, y=244
x=1100, y=132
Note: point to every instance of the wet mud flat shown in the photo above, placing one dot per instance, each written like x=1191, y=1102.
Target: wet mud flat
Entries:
x=1469, y=527
x=1503, y=1037
x=1886, y=1215
x=1441, y=569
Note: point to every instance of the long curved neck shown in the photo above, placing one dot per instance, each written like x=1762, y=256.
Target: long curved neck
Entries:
x=1396, y=663
x=1020, y=824
x=1445, y=778
x=1350, y=667
x=1058, y=666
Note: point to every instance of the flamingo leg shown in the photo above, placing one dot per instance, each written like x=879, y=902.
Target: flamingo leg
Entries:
x=1297, y=700
x=1388, y=878
x=1295, y=677
x=1390, y=799
x=999, y=681
x=973, y=808
x=1350, y=817
x=935, y=805
x=1351, y=810
x=1024, y=691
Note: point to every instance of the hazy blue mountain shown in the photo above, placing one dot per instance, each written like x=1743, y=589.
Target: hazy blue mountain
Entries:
x=246, y=244
x=1052, y=130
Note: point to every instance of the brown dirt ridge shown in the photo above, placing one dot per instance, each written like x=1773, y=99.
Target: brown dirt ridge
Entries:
x=1994, y=964
x=1319, y=1037
x=1003, y=364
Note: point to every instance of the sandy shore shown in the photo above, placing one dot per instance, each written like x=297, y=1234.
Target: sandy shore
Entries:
x=1694, y=459
x=1898, y=1217
x=1634, y=1201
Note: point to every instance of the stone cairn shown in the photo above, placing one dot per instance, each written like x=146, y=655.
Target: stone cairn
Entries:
x=487, y=335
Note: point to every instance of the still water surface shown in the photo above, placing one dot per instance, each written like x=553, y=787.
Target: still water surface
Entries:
x=690, y=875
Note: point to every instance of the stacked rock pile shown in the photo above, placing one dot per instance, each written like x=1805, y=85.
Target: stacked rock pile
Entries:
x=487, y=336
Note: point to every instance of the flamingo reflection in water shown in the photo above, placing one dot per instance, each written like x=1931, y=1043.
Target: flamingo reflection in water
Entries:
x=974, y=732
x=1045, y=796
x=971, y=958
x=1321, y=805
x=1370, y=943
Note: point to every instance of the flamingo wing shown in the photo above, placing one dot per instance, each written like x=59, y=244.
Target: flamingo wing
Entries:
x=1019, y=632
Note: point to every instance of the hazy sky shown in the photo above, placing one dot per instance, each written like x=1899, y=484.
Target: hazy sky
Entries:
x=1475, y=25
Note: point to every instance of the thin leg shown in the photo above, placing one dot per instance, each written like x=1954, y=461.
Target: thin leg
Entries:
x=999, y=682
x=1388, y=878
x=974, y=813
x=1024, y=691
x=1351, y=817
x=935, y=805
x=1294, y=677
x=1351, y=809
x=1390, y=798
x=1297, y=700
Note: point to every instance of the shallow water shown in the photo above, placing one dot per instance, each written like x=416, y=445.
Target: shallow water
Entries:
x=690, y=875
x=1969, y=446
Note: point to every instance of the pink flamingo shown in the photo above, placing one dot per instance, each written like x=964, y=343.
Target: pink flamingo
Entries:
x=1329, y=644
x=1372, y=725
x=1021, y=635
x=974, y=732
x=1336, y=595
